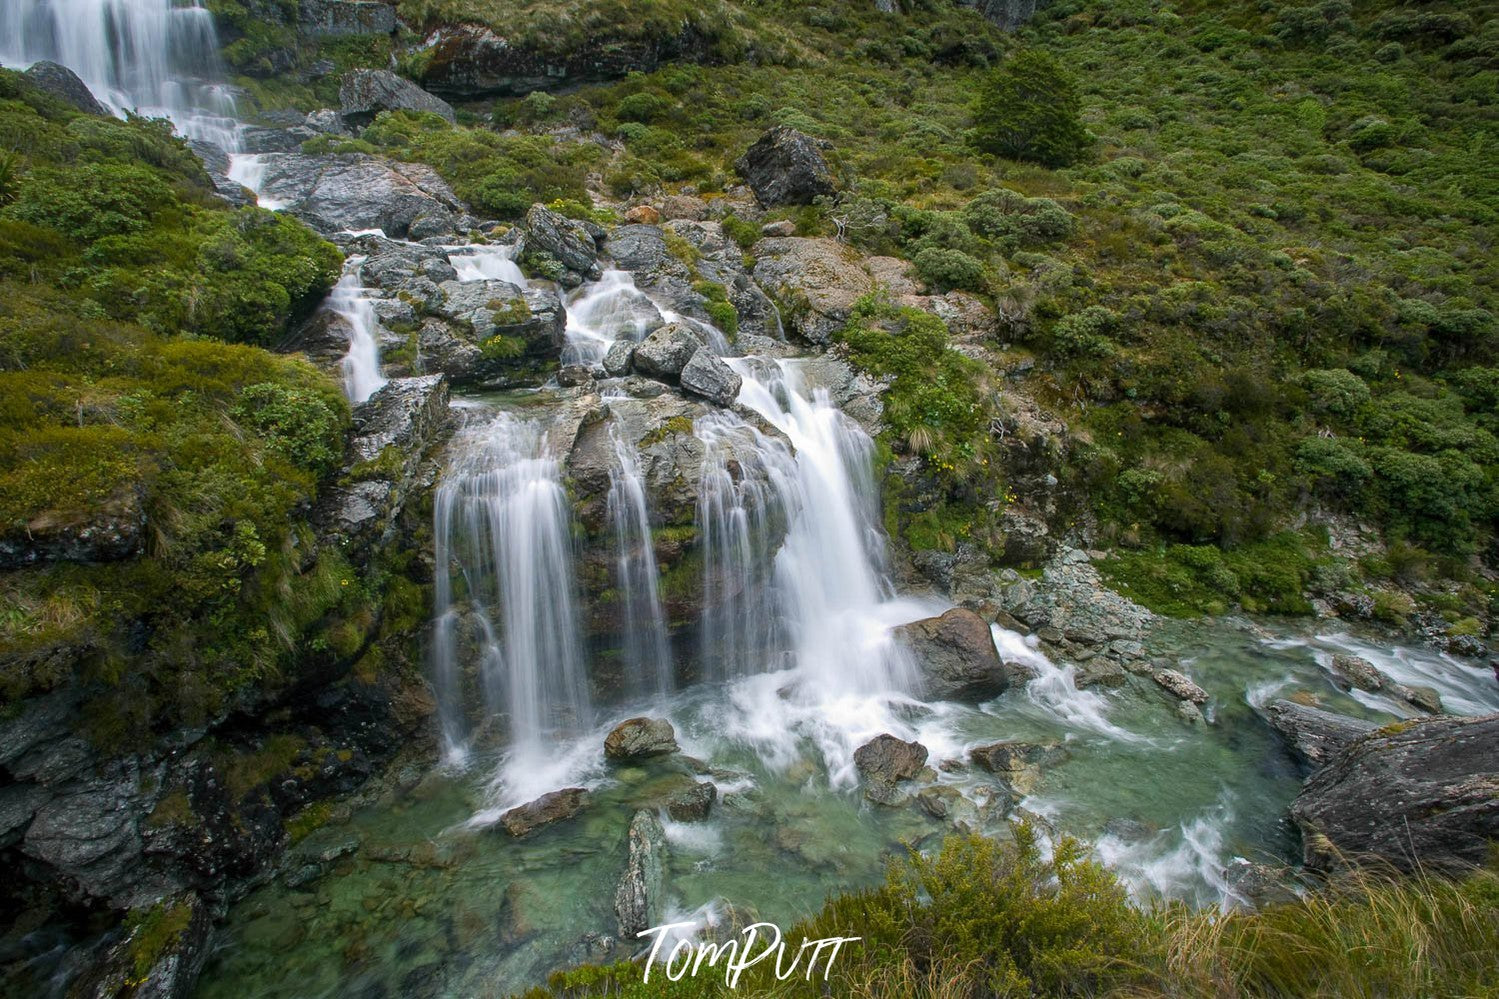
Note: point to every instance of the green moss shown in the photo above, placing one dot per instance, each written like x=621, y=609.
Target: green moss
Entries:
x=502, y=348
x=154, y=932
x=308, y=821
x=245, y=772
x=1267, y=577
x=677, y=425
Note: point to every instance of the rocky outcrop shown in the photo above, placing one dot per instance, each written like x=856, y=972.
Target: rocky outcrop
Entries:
x=815, y=280
x=527, y=324
x=1007, y=14
x=1313, y=735
x=1421, y=794
x=472, y=60
x=885, y=761
x=705, y=374
x=786, y=167
x=364, y=93
x=339, y=18
x=64, y=84
x=640, y=738
x=639, y=901
x=354, y=191
x=956, y=657
x=554, y=806
x=110, y=530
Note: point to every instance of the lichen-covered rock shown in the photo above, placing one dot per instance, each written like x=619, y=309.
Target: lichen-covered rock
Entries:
x=786, y=167
x=1180, y=686
x=956, y=656
x=364, y=93
x=554, y=806
x=816, y=281
x=354, y=191
x=340, y=18
x=639, y=901
x=706, y=374
x=1315, y=736
x=666, y=352
x=1417, y=794
x=640, y=738
x=566, y=240
x=64, y=84
x=618, y=358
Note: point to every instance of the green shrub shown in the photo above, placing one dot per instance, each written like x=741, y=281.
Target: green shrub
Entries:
x=946, y=269
x=1029, y=109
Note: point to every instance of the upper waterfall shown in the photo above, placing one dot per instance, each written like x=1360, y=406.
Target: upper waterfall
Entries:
x=152, y=57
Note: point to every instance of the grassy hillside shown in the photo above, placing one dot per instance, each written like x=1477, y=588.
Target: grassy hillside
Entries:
x=132, y=387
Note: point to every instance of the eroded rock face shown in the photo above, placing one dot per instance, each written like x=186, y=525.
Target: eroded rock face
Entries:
x=64, y=84
x=786, y=167
x=956, y=656
x=337, y=18
x=1313, y=735
x=640, y=738
x=1422, y=793
x=554, y=806
x=353, y=191
x=639, y=901
x=364, y=93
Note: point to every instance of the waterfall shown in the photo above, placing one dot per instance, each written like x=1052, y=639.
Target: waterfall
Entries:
x=503, y=522
x=604, y=311
x=361, y=365
x=155, y=57
x=829, y=598
x=647, y=649
x=486, y=262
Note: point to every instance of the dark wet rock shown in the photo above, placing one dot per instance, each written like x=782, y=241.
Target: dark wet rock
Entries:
x=1423, y=698
x=883, y=762
x=179, y=930
x=471, y=60
x=554, y=806
x=640, y=901
x=1179, y=686
x=111, y=530
x=705, y=374
x=1259, y=885
x=64, y=84
x=816, y=281
x=354, y=191
x=692, y=803
x=786, y=167
x=1008, y=15
x=1315, y=736
x=340, y=18
x=566, y=240
x=1416, y=794
x=640, y=738
x=956, y=656
x=666, y=352
x=364, y=93
x=619, y=357
x=574, y=375
x=254, y=139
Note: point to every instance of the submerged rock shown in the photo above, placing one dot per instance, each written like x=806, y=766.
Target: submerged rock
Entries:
x=639, y=901
x=1350, y=671
x=554, y=806
x=692, y=803
x=1018, y=764
x=1422, y=794
x=640, y=738
x=956, y=656
x=705, y=374
x=364, y=93
x=1313, y=735
x=785, y=167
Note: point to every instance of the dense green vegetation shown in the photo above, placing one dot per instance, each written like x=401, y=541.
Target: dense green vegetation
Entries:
x=986, y=919
x=130, y=389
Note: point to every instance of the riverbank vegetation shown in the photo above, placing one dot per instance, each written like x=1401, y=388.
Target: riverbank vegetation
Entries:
x=145, y=435
x=987, y=919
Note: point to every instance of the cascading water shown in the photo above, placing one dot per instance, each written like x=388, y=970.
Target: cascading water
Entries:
x=486, y=263
x=647, y=649
x=361, y=365
x=505, y=580
x=606, y=310
x=155, y=57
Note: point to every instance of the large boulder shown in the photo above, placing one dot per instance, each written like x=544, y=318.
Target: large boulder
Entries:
x=639, y=901
x=640, y=738
x=666, y=352
x=64, y=84
x=1313, y=735
x=364, y=93
x=706, y=374
x=785, y=167
x=956, y=656
x=1416, y=795
x=530, y=319
x=566, y=240
x=554, y=806
x=883, y=762
x=353, y=192
x=816, y=280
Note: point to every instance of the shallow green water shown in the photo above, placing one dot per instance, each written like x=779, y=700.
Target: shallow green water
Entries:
x=426, y=903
